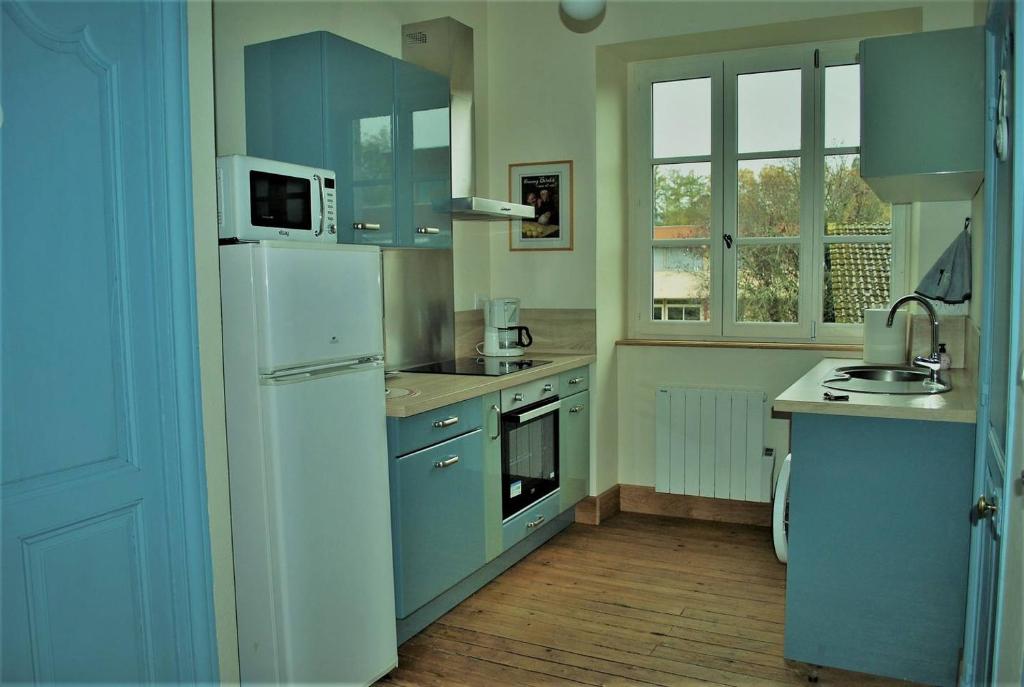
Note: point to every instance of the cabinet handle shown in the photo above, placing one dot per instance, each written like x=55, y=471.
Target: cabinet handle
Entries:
x=535, y=523
x=497, y=421
x=548, y=387
x=576, y=380
x=365, y=226
x=447, y=462
x=575, y=409
x=447, y=422
x=427, y=230
x=517, y=398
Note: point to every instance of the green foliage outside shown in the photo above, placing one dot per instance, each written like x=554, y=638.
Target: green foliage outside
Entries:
x=768, y=204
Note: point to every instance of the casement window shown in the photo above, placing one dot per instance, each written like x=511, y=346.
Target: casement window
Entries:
x=748, y=217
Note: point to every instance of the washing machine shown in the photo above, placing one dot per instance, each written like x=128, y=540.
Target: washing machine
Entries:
x=780, y=512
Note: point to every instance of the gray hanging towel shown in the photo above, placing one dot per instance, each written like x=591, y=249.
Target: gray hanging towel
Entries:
x=949, y=279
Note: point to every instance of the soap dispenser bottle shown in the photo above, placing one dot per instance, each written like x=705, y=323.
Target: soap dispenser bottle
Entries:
x=945, y=362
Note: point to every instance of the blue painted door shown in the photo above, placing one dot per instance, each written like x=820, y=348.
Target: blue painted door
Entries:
x=424, y=161
x=105, y=552
x=995, y=431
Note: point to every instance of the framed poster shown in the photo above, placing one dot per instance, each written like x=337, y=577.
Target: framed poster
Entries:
x=547, y=186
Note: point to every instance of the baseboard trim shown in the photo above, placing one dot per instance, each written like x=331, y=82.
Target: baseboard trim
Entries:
x=593, y=509
x=638, y=499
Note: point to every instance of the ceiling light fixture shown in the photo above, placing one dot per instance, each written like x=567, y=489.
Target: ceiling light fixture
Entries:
x=582, y=16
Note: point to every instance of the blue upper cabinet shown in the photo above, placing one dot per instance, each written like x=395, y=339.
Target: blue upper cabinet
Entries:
x=381, y=124
x=360, y=136
x=424, y=156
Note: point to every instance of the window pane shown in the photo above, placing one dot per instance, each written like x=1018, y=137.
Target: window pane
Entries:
x=768, y=111
x=682, y=201
x=856, y=277
x=768, y=197
x=767, y=283
x=851, y=208
x=682, y=283
x=842, y=106
x=682, y=118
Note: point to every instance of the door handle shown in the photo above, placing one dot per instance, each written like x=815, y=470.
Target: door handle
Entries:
x=576, y=380
x=575, y=409
x=365, y=226
x=984, y=508
x=535, y=523
x=447, y=462
x=447, y=422
x=427, y=230
x=548, y=388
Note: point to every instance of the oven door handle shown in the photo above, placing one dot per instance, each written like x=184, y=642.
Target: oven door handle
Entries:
x=520, y=418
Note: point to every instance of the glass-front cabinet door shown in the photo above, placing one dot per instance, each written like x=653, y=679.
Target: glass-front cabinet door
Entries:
x=360, y=135
x=423, y=126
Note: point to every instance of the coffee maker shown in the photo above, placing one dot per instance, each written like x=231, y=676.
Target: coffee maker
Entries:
x=503, y=336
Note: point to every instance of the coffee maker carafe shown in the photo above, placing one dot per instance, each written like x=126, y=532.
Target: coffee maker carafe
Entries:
x=503, y=336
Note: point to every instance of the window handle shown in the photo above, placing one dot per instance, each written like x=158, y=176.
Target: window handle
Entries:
x=728, y=240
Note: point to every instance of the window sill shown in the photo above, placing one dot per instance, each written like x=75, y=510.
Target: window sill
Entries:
x=761, y=345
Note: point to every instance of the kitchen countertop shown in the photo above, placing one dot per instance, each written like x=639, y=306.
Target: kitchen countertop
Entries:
x=431, y=391
x=805, y=396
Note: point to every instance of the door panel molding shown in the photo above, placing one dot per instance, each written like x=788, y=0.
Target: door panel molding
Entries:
x=39, y=552
x=124, y=529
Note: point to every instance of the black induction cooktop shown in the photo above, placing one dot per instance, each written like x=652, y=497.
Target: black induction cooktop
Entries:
x=488, y=367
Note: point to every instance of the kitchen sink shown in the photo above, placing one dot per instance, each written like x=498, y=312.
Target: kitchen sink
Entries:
x=884, y=379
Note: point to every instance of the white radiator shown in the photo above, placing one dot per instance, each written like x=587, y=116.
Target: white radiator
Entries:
x=710, y=442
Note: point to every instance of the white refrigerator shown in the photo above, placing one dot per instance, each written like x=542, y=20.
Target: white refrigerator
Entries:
x=307, y=462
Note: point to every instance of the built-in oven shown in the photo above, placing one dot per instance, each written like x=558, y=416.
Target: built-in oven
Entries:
x=529, y=455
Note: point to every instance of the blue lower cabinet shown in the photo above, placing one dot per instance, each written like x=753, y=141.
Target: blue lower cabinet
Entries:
x=879, y=535
x=519, y=526
x=409, y=434
x=574, y=449
x=437, y=509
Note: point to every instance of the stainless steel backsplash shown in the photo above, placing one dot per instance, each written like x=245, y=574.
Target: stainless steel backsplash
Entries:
x=419, y=306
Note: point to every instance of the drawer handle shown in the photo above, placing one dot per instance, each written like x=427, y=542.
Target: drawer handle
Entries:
x=427, y=230
x=576, y=380
x=447, y=422
x=548, y=387
x=447, y=462
x=575, y=409
x=517, y=398
x=366, y=226
x=535, y=523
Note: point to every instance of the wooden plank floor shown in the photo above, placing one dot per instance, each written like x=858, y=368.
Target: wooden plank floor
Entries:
x=638, y=600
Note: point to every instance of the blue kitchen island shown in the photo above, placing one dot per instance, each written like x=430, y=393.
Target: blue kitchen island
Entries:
x=879, y=529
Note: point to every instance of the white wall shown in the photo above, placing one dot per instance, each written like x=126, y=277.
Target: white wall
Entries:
x=211, y=369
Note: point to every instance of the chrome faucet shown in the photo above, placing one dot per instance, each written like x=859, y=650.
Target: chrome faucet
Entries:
x=931, y=362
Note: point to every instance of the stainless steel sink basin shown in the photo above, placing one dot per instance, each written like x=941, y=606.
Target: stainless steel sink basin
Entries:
x=883, y=379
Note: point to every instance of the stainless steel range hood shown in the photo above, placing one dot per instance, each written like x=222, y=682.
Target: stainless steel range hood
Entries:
x=446, y=47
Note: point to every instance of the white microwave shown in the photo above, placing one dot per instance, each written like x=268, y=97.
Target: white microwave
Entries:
x=263, y=199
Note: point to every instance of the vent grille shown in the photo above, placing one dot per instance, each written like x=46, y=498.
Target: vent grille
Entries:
x=415, y=38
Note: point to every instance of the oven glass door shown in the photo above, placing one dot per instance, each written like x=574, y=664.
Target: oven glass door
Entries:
x=280, y=201
x=529, y=456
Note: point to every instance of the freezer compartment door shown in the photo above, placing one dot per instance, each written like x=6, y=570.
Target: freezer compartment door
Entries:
x=315, y=578
x=316, y=304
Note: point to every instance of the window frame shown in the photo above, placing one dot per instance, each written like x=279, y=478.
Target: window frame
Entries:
x=723, y=69
x=834, y=55
x=641, y=156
